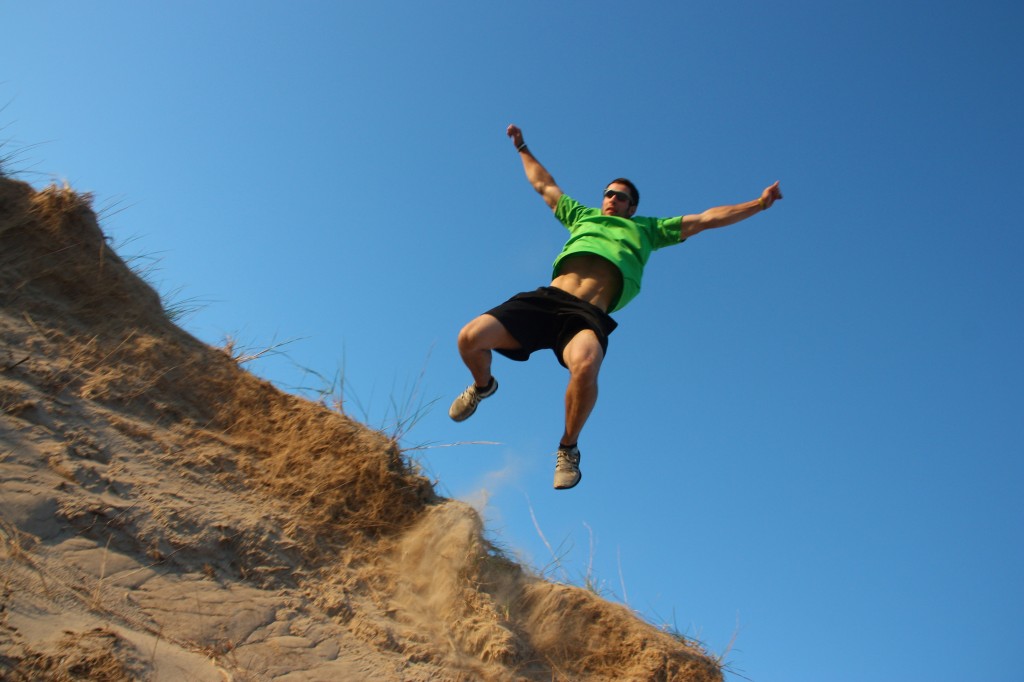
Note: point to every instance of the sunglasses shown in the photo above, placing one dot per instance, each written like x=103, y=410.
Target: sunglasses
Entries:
x=621, y=196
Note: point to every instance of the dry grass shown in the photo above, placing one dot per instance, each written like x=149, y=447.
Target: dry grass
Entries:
x=97, y=655
x=122, y=347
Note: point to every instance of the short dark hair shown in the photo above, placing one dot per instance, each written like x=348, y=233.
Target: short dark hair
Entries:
x=632, y=188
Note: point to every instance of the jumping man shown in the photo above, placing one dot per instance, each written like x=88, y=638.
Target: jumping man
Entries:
x=598, y=271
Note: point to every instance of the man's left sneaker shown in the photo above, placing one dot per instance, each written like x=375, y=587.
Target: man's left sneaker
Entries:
x=465, y=405
x=567, y=468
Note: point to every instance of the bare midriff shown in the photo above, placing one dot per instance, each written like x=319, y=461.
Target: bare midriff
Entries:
x=591, y=278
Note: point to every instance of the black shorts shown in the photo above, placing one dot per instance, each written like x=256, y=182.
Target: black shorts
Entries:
x=550, y=318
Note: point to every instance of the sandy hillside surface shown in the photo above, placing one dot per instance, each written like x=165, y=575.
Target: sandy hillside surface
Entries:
x=166, y=515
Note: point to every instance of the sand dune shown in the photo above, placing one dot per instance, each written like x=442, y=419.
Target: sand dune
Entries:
x=166, y=515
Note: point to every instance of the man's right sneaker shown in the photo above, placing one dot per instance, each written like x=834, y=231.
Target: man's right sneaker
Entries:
x=465, y=405
x=567, y=468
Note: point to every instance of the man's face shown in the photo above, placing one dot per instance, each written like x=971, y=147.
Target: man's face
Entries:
x=618, y=201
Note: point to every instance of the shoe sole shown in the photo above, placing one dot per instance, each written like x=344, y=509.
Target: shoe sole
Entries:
x=456, y=418
x=568, y=487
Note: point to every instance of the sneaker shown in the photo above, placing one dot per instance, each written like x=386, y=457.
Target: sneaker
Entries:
x=567, y=468
x=465, y=405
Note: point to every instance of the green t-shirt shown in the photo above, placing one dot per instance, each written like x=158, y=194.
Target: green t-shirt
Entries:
x=626, y=242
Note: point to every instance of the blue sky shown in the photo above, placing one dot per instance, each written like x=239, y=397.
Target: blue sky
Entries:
x=810, y=432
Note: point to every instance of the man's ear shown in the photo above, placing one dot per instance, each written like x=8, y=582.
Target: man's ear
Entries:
x=632, y=210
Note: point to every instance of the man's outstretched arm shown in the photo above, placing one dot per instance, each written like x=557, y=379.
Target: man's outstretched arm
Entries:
x=721, y=216
x=537, y=174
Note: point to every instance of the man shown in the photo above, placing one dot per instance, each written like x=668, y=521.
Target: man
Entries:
x=598, y=271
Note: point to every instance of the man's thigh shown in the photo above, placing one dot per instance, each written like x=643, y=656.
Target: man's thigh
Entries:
x=489, y=333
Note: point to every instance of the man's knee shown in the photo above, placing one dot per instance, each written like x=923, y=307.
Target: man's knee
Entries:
x=465, y=338
x=583, y=355
x=469, y=335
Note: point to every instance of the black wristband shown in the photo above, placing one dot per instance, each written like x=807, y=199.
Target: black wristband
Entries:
x=521, y=147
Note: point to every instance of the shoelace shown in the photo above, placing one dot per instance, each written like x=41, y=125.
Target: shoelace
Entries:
x=471, y=395
x=566, y=460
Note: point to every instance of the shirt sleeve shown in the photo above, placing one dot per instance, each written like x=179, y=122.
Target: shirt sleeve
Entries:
x=569, y=211
x=666, y=231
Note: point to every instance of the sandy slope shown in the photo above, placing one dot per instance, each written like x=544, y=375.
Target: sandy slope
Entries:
x=166, y=515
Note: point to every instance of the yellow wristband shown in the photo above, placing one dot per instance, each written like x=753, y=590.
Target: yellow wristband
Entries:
x=760, y=200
